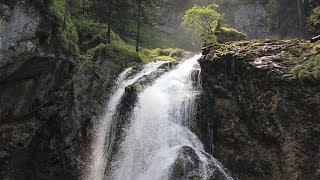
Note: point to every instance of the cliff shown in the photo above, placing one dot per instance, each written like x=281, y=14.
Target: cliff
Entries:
x=257, y=114
x=48, y=98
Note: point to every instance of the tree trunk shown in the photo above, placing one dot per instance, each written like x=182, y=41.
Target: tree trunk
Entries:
x=138, y=26
x=109, y=34
x=65, y=15
x=109, y=20
x=300, y=17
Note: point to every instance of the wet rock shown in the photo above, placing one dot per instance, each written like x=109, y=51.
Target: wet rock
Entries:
x=189, y=166
x=254, y=115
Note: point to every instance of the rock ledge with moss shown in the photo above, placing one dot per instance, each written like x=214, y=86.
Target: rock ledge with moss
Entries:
x=259, y=110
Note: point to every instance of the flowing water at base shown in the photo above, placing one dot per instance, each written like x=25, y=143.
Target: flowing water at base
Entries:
x=103, y=138
x=157, y=143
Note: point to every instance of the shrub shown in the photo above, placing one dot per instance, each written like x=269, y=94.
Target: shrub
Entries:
x=314, y=20
x=295, y=71
x=229, y=34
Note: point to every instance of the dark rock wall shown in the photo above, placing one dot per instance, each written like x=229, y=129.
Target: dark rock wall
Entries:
x=48, y=99
x=259, y=121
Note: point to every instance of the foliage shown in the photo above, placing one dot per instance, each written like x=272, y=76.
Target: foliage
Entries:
x=163, y=58
x=309, y=70
x=169, y=54
x=316, y=47
x=314, y=20
x=229, y=34
x=67, y=37
x=203, y=20
x=286, y=18
x=151, y=37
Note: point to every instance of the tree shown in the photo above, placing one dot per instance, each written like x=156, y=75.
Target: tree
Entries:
x=111, y=12
x=143, y=6
x=139, y=3
x=314, y=20
x=203, y=20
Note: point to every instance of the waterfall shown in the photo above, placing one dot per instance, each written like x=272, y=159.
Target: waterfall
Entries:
x=157, y=143
x=103, y=138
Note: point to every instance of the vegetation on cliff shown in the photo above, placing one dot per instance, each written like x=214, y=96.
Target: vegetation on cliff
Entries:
x=205, y=22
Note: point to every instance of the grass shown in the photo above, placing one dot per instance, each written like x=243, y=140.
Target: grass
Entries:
x=67, y=37
x=309, y=70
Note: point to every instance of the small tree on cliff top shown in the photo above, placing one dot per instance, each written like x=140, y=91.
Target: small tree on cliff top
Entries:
x=203, y=21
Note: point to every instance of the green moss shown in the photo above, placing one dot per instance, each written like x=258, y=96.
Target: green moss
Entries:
x=223, y=104
x=229, y=34
x=135, y=70
x=133, y=88
x=311, y=69
x=303, y=74
x=66, y=36
x=163, y=58
x=316, y=47
x=169, y=54
x=295, y=71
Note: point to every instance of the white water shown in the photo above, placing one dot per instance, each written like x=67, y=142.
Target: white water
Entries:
x=102, y=142
x=158, y=129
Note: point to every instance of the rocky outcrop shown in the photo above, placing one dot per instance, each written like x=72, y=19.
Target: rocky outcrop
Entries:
x=254, y=115
x=48, y=99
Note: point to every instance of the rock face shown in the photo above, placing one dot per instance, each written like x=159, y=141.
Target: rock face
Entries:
x=248, y=17
x=48, y=99
x=256, y=117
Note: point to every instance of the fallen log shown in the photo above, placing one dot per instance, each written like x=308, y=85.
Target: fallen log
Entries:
x=315, y=39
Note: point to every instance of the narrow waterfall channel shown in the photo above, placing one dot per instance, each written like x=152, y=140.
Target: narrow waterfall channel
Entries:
x=157, y=143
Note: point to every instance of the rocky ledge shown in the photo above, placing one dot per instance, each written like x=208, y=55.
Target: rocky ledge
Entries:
x=259, y=110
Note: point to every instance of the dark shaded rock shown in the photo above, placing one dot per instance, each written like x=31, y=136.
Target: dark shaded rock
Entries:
x=48, y=100
x=189, y=166
x=255, y=116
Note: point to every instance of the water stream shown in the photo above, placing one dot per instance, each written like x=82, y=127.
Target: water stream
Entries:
x=157, y=143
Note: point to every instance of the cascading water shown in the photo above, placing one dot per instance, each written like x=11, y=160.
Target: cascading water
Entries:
x=103, y=138
x=157, y=142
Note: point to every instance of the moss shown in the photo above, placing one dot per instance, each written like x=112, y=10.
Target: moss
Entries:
x=295, y=71
x=133, y=88
x=316, y=47
x=163, y=58
x=67, y=37
x=303, y=74
x=135, y=70
x=229, y=34
x=309, y=70
x=222, y=104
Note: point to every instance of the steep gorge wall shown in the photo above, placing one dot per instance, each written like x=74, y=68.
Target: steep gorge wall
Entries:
x=256, y=117
x=259, y=19
x=48, y=98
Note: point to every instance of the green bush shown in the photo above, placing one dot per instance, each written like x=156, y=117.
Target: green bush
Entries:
x=314, y=19
x=295, y=71
x=229, y=34
x=309, y=70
